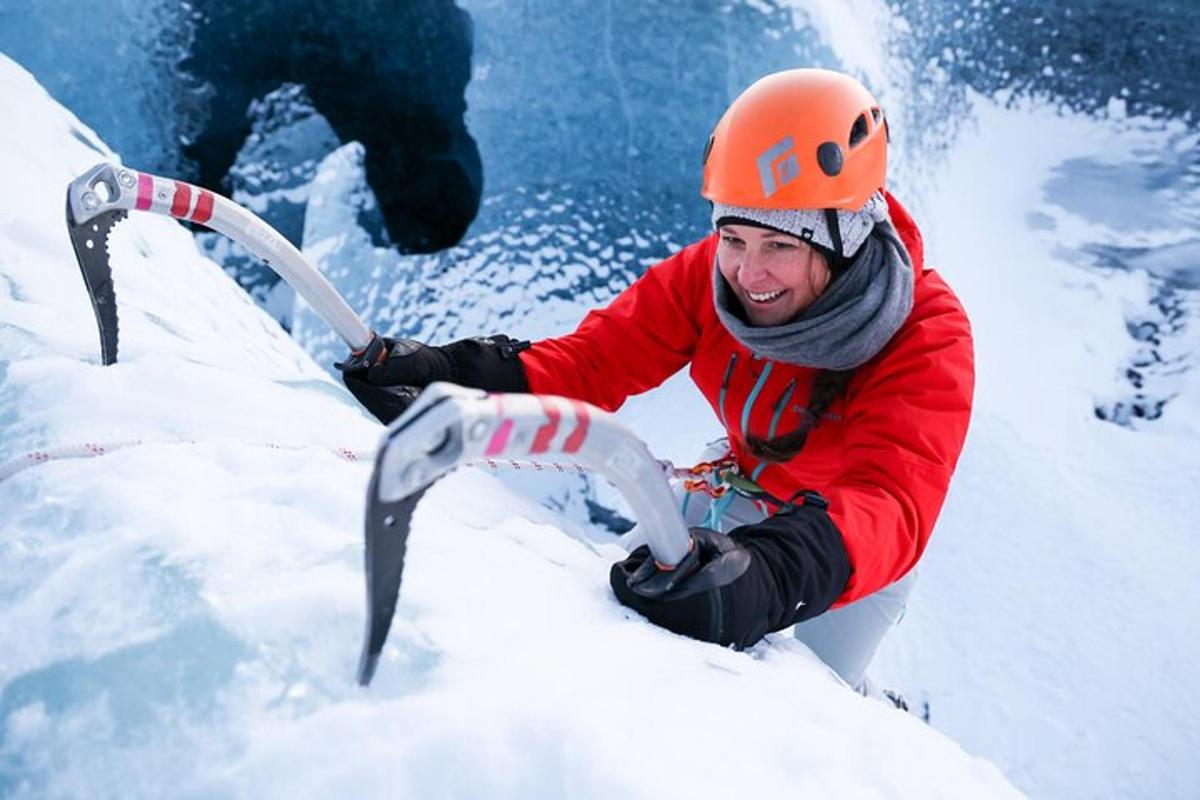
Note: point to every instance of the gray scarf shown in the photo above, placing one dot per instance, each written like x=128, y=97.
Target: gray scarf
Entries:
x=850, y=322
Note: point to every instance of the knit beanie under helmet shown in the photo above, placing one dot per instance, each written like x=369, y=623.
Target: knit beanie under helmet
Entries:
x=836, y=232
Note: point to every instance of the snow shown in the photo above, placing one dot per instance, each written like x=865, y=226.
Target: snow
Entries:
x=858, y=31
x=182, y=618
x=1051, y=625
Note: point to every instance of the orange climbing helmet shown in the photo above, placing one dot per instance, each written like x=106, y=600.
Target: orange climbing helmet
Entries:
x=798, y=139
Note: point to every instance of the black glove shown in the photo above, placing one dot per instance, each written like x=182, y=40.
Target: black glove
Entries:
x=388, y=375
x=735, y=589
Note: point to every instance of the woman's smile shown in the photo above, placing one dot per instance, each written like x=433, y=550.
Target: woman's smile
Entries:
x=762, y=298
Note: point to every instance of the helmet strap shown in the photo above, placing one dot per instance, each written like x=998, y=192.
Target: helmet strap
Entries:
x=835, y=230
x=838, y=263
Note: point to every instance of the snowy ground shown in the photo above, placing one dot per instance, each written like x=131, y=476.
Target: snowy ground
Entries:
x=1054, y=626
x=182, y=618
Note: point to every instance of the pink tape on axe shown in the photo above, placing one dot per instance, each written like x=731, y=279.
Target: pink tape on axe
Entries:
x=499, y=439
x=145, y=192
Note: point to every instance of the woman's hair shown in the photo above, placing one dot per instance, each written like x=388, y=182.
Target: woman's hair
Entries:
x=826, y=386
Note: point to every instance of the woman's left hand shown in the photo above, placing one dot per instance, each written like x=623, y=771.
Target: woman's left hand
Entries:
x=711, y=595
x=734, y=589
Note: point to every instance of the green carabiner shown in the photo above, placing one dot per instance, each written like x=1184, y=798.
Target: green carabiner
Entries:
x=742, y=485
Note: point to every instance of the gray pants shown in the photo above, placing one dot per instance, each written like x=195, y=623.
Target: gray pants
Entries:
x=845, y=639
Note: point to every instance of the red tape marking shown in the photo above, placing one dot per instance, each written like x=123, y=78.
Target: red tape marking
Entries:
x=582, y=421
x=204, y=207
x=145, y=191
x=183, y=200
x=500, y=437
x=544, y=435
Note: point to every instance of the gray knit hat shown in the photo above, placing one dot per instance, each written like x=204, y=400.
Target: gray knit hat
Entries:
x=838, y=232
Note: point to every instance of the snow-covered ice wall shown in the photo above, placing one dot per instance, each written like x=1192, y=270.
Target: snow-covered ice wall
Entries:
x=182, y=617
x=1050, y=154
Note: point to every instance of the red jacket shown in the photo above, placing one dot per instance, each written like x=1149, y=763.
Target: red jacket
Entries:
x=882, y=455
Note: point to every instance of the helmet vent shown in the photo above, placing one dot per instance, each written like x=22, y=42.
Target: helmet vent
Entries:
x=859, y=130
x=876, y=114
x=708, y=149
x=829, y=157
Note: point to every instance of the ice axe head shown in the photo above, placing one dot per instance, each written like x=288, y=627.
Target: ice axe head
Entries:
x=96, y=202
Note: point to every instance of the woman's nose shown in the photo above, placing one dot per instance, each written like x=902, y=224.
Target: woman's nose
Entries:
x=751, y=268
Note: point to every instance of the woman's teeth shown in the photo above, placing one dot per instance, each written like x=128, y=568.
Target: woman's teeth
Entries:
x=765, y=297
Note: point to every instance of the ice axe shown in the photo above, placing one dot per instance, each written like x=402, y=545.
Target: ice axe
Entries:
x=106, y=193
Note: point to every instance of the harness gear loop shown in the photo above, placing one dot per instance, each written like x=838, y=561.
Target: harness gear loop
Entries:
x=720, y=477
x=709, y=476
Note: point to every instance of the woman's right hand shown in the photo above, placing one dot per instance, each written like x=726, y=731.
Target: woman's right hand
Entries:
x=389, y=374
x=410, y=363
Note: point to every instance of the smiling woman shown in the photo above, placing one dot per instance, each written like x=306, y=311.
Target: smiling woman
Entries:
x=841, y=369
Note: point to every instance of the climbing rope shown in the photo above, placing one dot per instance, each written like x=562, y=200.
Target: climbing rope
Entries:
x=35, y=458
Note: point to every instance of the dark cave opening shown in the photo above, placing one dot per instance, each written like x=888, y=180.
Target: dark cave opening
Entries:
x=390, y=74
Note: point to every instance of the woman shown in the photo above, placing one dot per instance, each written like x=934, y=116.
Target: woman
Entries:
x=840, y=367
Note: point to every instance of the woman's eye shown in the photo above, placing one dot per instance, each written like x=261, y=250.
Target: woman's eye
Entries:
x=782, y=246
x=731, y=240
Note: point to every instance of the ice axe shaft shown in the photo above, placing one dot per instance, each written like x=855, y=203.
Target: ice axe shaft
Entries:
x=97, y=199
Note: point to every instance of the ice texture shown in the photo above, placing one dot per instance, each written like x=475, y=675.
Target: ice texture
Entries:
x=271, y=176
x=117, y=68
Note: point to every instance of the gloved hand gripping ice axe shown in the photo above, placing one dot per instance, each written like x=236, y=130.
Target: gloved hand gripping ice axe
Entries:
x=449, y=424
x=106, y=193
